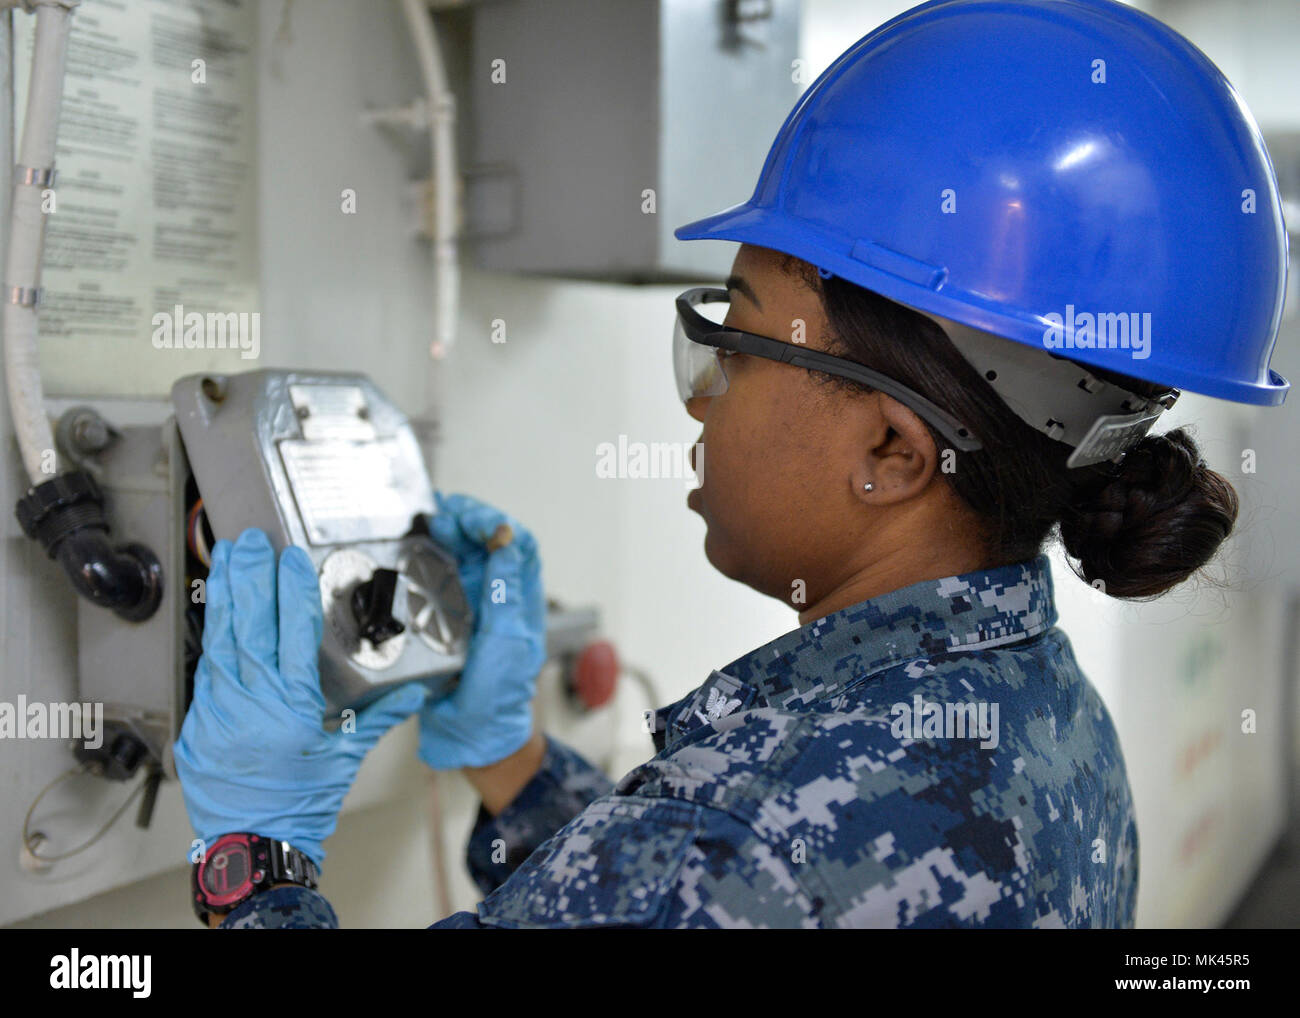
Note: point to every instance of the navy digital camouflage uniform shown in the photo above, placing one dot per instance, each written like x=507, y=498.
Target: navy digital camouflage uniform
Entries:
x=785, y=794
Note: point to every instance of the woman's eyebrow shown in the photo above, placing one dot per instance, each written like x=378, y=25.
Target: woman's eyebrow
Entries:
x=738, y=284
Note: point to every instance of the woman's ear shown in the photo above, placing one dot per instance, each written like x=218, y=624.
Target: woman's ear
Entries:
x=900, y=456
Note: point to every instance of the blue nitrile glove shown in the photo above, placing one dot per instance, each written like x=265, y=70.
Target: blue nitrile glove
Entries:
x=489, y=714
x=252, y=755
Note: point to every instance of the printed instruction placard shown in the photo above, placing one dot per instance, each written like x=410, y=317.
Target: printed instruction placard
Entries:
x=150, y=268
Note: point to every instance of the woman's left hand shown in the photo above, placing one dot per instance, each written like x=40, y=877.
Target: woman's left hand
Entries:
x=252, y=755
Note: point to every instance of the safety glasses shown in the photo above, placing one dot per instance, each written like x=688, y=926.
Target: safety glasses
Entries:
x=701, y=347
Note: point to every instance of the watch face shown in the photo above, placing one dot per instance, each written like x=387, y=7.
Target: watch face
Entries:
x=226, y=874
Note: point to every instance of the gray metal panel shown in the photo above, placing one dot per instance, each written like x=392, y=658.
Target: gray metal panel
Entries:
x=603, y=101
x=235, y=434
x=132, y=667
x=726, y=88
x=568, y=141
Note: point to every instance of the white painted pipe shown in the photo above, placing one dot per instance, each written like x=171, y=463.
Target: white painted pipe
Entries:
x=27, y=240
x=442, y=156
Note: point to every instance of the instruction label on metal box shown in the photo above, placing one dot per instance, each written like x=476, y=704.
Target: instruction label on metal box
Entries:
x=348, y=491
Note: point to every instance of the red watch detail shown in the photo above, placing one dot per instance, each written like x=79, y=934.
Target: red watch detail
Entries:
x=225, y=874
x=237, y=866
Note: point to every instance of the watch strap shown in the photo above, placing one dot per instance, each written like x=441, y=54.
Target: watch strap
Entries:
x=288, y=863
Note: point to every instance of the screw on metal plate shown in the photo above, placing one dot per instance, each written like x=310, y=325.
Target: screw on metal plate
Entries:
x=215, y=387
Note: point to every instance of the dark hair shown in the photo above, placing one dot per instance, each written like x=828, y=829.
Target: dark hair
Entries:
x=1140, y=528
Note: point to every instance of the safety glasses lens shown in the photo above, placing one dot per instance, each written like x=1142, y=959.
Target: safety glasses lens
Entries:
x=697, y=367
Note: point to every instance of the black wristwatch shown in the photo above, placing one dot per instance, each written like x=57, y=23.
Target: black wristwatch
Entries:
x=237, y=866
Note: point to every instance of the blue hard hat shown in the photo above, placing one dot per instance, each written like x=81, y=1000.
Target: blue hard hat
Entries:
x=1031, y=169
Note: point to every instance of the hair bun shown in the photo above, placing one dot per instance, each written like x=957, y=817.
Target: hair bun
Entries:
x=1153, y=522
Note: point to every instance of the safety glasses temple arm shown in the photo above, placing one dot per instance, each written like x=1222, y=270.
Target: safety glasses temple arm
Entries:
x=701, y=330
x=951, y=428
x=814, y=360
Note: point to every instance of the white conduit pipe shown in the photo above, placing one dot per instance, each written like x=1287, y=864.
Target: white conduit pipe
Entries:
x=442, y=155
x=27, y=238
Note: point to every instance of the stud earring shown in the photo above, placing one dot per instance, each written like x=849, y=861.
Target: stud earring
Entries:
x=868, y=486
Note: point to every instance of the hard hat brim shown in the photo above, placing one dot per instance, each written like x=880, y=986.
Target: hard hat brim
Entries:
x=922, y=287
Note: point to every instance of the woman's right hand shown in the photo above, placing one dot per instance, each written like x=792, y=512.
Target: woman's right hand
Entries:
x=489, y=715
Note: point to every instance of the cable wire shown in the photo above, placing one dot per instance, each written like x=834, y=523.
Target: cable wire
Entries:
x=30, y=839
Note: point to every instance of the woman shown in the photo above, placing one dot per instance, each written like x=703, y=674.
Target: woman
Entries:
x=987, y=245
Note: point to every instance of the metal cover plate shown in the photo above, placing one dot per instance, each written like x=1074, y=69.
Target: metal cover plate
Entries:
x=348, y=491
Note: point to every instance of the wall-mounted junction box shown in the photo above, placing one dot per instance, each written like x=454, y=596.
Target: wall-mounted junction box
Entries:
x=320, y=460
x=578, y=110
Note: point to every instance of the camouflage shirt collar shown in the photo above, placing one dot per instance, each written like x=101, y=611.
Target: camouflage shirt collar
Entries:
x=984, y=608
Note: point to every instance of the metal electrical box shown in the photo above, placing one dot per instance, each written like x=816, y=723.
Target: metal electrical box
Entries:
x=320, y=460
x=595, y=129
x=326, y=462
